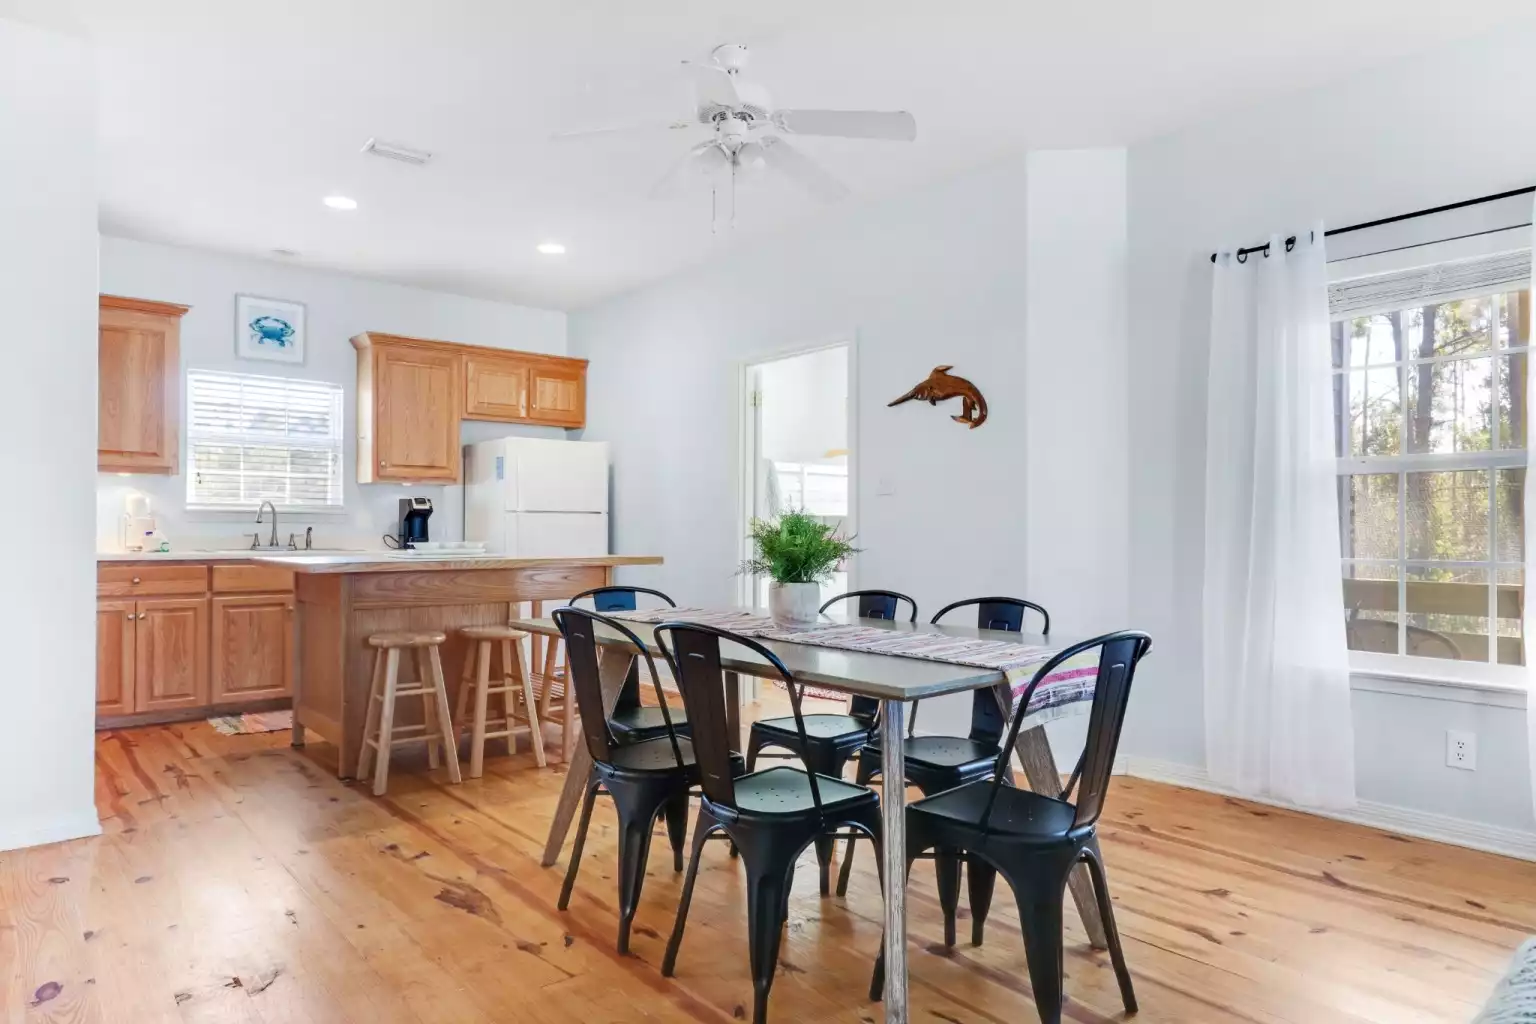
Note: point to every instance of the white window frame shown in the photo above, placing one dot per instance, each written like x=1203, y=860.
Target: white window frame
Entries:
x=336, y=444
x=1405, y=666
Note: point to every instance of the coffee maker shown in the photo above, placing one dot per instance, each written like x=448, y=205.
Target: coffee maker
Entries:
x=414, y=513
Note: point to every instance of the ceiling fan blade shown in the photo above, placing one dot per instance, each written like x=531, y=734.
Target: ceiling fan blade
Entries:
x=622, y=129
x=780, y=156
x=698, y=161
x=714, y=86
x=850, y=124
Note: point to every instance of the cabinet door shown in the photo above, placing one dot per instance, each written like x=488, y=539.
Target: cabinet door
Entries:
x=495, y=388
x=252, y=647
x=115, y=622
x=559, y=393
x=416, y=392
x=139, y=397
x=171, y=654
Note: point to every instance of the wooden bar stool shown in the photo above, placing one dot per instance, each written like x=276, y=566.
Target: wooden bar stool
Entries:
x=557, y=702
x=477, y=678
x=380, y=735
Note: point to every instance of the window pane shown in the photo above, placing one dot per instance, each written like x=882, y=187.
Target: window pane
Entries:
x=1447, y=516
x=1511, y=631
x=1449, y=406
x=1448, y=613
x=1512, y=386
x=1370, y=606
x=1514, y=319
x=1375, y=412
x=1459, y=328
x=1369, y=340
x=1368, y=515
x=1509, y=507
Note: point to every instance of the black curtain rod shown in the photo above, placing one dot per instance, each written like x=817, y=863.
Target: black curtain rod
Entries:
x=1242, y=254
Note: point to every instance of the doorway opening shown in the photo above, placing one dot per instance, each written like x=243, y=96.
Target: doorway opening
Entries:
x=798, y=449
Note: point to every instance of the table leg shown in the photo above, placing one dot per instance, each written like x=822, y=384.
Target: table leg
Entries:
x=612, y=666
x=893, y=765
x=733, y=708
x=1034, y=750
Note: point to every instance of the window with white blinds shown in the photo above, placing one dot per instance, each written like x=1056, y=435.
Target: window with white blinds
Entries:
x=254, y=439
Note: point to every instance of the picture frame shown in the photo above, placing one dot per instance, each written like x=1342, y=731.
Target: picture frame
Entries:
x=271, y=330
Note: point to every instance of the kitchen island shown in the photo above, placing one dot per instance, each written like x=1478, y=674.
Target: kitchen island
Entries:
x=342, y=599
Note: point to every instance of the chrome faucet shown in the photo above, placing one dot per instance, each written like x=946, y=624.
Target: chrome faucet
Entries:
x=259, y=512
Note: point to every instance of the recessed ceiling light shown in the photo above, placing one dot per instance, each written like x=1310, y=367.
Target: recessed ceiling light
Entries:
x=551, y=248
x=340, y=202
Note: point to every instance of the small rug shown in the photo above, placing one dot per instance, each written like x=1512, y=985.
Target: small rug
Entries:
x=1514, y=1001
x=252, y=722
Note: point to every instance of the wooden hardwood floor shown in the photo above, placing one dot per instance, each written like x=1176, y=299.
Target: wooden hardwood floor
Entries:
x=238, y=881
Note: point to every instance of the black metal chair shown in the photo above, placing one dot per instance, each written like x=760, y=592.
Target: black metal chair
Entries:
x=1035, y=840
x=936, y=763
x=825, y=743
x=646, y=778
x=771, y=816
x=631, y=721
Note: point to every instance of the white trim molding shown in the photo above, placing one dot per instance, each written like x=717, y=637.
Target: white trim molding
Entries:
x=56, y=829
x=1405, y=821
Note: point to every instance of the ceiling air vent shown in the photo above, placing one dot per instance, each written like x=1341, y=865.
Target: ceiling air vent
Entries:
x=395, y=151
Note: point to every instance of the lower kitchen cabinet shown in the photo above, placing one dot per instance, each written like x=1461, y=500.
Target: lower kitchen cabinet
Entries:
x=170, y=664
x=116, y=623
x=252, y=647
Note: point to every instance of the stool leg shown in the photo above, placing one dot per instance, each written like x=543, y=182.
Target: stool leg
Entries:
x=466, y=684
x=387, y=720
x=482, y=704
x=431, y=729
x=371, y=725
x=440, y=691
x=512, y=661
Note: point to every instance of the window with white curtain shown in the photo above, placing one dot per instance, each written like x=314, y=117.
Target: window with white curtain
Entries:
x=252, y=439
x=1430, y=410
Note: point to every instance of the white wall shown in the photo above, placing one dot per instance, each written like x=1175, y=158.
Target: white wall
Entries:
x=338, y=307
x=47, y=409
x=1422, y=132
x=931, y=278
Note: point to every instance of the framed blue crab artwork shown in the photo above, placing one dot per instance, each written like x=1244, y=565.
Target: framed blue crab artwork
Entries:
x=270, y=329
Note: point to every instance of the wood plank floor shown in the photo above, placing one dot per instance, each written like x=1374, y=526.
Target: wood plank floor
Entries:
x=238, y=881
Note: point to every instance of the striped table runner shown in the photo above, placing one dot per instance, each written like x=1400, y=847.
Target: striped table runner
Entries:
x=1056, y=697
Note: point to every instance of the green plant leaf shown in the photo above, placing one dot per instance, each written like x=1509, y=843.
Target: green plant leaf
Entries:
x=796, y=548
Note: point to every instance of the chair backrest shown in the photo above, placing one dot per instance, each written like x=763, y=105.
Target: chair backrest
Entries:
x=693, y=652
x=1119, y=654
x=873, y=604
x=1007, y=614
x=623, y=599
x=579, y=628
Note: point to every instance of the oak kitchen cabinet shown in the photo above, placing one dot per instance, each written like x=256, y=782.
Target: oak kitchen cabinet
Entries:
x=139, y=390
x=178, y=641
x=412, y=393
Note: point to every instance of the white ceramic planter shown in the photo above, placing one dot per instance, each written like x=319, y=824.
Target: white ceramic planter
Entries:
x=794, y=602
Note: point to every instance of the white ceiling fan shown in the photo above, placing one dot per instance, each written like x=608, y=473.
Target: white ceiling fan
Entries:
x=748, y=135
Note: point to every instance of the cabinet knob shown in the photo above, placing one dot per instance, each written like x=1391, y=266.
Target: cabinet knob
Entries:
x=383, y=464
x=135, y=579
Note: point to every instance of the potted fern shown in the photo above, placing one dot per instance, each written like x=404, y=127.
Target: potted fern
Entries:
x=797, y=553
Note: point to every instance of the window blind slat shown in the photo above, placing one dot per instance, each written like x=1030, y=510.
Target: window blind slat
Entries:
x=254, y=439
x=1439, y=282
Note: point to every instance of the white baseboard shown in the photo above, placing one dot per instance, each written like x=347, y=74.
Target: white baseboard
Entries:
x=1508, y=842
x=55, y=829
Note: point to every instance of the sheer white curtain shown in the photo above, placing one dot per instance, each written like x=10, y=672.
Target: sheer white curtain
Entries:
x=1529, y=509
x=1277, y=716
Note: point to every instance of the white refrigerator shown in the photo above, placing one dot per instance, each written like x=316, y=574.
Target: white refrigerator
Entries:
x=530, y=498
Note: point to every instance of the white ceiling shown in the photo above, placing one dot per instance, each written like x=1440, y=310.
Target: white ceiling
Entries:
x=223, y=124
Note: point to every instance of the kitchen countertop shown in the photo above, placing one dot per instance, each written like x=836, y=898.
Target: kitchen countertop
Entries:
x=374, y=561
x=216, y=554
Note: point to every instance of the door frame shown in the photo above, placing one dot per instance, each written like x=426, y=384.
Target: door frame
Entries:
x=746, y=422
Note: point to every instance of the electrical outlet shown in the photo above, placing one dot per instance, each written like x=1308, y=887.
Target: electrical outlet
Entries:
x=1461, y=750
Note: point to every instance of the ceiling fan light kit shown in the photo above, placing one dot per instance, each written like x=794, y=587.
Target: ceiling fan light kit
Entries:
x=748, y=134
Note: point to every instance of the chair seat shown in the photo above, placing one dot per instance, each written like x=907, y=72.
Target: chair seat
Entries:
x=784, y=790
x=1018, y=813
x=940, y=752
x=634, y=723
x=836, y=728
x=491, y=633
x=651, y=755
x=407, y=638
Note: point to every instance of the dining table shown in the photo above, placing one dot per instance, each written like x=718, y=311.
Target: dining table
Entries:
x=896, y=681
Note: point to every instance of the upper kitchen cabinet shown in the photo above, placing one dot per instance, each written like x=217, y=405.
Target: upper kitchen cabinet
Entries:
x=139, y=371
x=411, y=394
x=408, y=413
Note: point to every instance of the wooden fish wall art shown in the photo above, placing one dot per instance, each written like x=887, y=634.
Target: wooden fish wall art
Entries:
x=940, y=386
